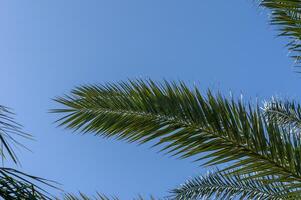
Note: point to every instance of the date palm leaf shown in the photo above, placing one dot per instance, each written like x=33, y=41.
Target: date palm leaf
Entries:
x=9, y=131
x=287, y=112
x=286, y=16
x=186, y=123
x=219, y=185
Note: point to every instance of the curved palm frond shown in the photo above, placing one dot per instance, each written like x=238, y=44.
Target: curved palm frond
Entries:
x=187, y=124
x=286, y=15
x=224, y=185
x=287, y=113
x=9, y=129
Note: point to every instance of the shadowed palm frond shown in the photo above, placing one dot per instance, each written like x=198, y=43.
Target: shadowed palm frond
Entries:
x=187, y=124
x=287, y=113
x=220, y=185
x=9, y=130
x=286, y=15
x=15, y=184
x=18, y=185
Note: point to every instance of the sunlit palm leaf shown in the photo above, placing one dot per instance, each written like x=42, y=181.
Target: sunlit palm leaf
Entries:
x=187, y=124
x=287, y=113
x=220, y=186
x=286, y=15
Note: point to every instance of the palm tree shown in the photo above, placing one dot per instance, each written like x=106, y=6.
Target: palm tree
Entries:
x=261, y=147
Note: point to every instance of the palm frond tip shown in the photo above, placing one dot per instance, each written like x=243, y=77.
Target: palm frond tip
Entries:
x=286, y=16
x=287, y=113
x=9, y=130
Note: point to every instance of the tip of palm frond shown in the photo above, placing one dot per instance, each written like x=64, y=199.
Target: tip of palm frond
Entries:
x=9, y=129
x=285, y=16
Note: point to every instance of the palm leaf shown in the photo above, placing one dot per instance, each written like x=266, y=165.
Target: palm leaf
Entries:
x=99, y=196
x=82, y=196
x=286, y=16
x=220, y=185
x=187, y=124
x=287, y=113
x=15, y=184
x=9, y=130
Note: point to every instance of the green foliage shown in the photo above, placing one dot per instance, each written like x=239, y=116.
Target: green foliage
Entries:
x=187, y=123
x=82, y=196
x=261, y=148
x=99, y=196
x=18, y=185
x=9, y=129
x=220, y=185
x=287, y=113
x=286, y=15
x=15, y=184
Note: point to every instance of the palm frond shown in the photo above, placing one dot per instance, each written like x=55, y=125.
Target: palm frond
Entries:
x=82, y=196
x=15, y=184
x=286, y=15
x=98, y=196
x=187, y=124
x=224, y=185
x=9, y=130
x=287, y=113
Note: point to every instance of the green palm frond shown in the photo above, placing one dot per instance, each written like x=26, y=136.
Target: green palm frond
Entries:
x=220, y=185
x=82, y=196
x=287, y=113
x=9, y=130
x=16, y=185
x=99, y=196
x=286, y=15
x=187, y=124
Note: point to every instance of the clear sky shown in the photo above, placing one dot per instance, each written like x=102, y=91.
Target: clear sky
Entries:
x=48, y=47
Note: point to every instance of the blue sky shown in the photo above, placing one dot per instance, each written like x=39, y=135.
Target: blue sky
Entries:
x=49, y=47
